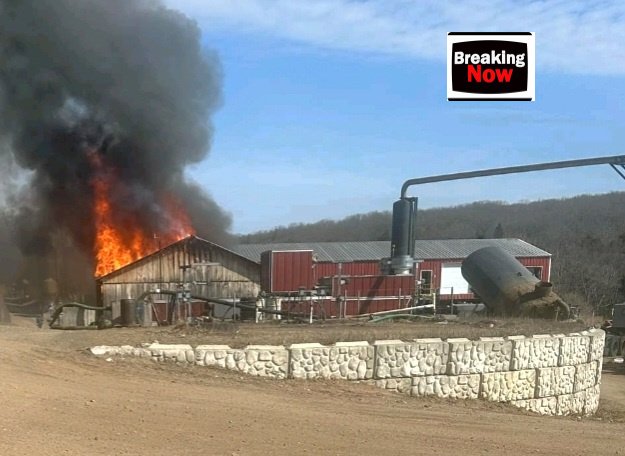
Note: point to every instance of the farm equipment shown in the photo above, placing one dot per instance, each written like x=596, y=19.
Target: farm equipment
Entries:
x=615, y=332
x=617, y=324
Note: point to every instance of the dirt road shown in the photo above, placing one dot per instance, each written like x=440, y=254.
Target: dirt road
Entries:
x=56, y=400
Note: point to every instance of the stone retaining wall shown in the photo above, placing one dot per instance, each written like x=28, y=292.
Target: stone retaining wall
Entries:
x=548, y=374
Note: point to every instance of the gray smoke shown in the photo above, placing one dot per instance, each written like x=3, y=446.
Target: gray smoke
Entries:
x=127, y=80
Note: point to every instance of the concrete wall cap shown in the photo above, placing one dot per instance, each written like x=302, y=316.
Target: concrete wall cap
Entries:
x=307, y=345
x=170, y=347
x=429, y=340
x=265, y=347
x=351, y=344
x=491, y=339
x=389, y=342
x=458, y=339
x=213, y=347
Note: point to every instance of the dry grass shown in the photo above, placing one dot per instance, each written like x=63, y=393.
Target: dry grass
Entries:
x=327, y=333
x=238, y=335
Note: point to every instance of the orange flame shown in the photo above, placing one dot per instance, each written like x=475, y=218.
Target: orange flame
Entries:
x=114, y=247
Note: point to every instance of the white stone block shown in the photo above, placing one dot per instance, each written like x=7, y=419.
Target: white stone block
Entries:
x=571, y=404
x=591, y=403
x=489, y=354
x=585, y=376
x=207, y=355
x=534, y=352
x=575, y=349
x=447, y=386
x=554, y=381
x=400, y=385
x=509, y=386
x=346, y=360
x=410, y=359
x=543, y=406
x=597, y=342
x=171, y=352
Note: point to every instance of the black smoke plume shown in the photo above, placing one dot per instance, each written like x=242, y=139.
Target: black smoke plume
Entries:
x=127, y=80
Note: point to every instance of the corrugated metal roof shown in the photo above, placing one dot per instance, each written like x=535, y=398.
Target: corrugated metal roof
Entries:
x=376, y=250
x=191, y=239
x=462, y=248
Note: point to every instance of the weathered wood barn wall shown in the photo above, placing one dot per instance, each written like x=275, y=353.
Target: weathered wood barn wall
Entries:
x=213, y=271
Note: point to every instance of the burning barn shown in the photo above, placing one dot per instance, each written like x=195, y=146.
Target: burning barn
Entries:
x=193, y=266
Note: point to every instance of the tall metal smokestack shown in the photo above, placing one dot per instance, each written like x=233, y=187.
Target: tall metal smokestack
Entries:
x=403, y=235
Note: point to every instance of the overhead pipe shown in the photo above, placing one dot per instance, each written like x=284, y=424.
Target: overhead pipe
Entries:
x=613, y=160
x=403, y=229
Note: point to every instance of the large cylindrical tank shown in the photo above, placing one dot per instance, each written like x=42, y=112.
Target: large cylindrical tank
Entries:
x=501, y=280
x=128, y=311
x=402, y=235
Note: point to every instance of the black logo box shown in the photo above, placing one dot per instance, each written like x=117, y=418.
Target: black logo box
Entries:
x=459, y=72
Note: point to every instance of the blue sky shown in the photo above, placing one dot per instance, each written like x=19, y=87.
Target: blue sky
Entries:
x=330, y=105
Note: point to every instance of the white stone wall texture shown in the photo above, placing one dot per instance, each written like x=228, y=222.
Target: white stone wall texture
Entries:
x=343, y=360
x=547, y=374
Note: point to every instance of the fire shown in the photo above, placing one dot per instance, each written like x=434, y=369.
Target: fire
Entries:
x=115, y=247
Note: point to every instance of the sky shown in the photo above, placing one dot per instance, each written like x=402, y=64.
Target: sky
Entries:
x=330, y=105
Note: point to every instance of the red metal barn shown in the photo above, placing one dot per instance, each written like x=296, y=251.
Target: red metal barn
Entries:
x=347, y=276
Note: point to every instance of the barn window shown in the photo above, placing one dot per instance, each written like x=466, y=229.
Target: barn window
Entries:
x=537, y=271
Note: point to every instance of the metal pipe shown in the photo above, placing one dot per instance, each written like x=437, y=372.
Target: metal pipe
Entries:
x=224, y=302
x=60, y=308
x=617, y=170
x=385, y=312
x=610, y=160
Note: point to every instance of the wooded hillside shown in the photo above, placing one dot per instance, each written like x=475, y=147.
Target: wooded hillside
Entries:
x=585, y=234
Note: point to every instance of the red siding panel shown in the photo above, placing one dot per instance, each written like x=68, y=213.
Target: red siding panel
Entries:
x=372, y=286
x=288, y=271
x=543, y=262
x=327, y=269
